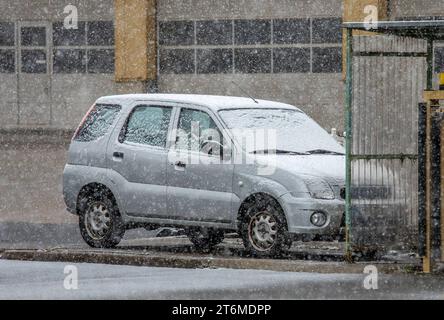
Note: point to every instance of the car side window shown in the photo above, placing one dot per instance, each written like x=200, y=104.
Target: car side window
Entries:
x=97, y=122
x=148, y=125
x=195, y=128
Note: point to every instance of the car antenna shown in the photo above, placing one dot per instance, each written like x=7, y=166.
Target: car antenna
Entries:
x=244, y=91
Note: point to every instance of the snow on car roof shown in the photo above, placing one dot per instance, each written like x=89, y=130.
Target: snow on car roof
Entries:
x=213, y=102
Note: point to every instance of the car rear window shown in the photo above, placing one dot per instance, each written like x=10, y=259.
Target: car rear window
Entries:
x=97, y=122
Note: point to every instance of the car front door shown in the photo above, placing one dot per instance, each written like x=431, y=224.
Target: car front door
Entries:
x=199, y=181
x=140, y=157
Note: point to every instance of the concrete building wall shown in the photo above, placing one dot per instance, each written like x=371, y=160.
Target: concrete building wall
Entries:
x=416, y=8
x=49, y=10
x=30, y=173
x=246, y=9
x=53, y=99
x=70, y=95
x=319, y=94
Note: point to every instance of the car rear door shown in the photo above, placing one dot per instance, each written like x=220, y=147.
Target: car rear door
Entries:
x=140, y=156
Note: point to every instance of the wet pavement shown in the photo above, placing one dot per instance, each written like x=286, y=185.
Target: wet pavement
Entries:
x=47, y=280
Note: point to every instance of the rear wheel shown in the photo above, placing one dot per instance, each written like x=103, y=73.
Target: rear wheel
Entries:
x=263, y=228
x=100, y=223
x=205, y=240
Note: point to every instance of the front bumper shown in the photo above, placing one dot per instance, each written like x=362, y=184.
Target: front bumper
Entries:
x=299, y=210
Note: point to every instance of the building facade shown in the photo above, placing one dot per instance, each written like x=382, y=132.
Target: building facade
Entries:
x=283, y=50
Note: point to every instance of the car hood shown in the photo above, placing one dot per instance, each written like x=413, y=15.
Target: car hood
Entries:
x=328, y=167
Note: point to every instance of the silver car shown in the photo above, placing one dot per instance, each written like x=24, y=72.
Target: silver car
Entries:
x=210, y=165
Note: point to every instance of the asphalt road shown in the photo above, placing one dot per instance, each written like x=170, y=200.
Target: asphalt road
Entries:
x=45, y=280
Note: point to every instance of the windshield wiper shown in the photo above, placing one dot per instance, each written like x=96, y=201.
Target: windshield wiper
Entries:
x=322, y=151
x=278, y=151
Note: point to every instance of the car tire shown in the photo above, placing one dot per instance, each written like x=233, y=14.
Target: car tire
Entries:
x=100, y=223
x=205, y=240
x=263, y=228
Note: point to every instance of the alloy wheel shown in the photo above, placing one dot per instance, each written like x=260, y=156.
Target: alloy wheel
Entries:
x=97, y=221
x=263, y=231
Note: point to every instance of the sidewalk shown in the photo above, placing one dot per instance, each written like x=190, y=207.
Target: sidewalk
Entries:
x=177, y=252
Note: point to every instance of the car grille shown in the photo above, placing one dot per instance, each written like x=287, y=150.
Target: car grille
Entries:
x=368, y=192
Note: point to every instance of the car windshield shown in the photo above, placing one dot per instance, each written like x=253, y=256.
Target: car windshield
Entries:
x=294, y=131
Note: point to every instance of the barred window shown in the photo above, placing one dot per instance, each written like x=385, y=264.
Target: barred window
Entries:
x=7, y=61
x=294, y=45
x=253, y=60
x=327, y=60
x=249, y=32
x=7, y=34
x=100, y=33
x=68, y=37
x=327, y=30
x=291, y=60
x=34, y=61
x=176, y=33
x=215, y=61
x=33, y=36
x=287, y=31
x=90, y=48
x=69, y=61
x=214, y=32
x=101, y=61
x=177, y=61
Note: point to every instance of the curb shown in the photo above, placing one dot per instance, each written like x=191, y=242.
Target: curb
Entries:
x=152, y=259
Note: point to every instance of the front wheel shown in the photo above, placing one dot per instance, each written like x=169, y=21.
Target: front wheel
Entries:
x=100, y=223
x=263, y=229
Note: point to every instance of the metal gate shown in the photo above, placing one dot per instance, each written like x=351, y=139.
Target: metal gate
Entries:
x=389, y=74
x=389, y=199
x=388, y=78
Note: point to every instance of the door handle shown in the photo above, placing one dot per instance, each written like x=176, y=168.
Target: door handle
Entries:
x=118, y=155
x=180, y=164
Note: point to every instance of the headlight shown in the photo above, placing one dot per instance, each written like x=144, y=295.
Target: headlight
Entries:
x=319, y=188
x=318, y=219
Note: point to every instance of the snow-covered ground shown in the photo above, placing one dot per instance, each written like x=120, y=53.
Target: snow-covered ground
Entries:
x=45, y=280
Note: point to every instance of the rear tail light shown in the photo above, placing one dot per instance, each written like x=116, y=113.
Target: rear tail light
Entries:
x=83, y=121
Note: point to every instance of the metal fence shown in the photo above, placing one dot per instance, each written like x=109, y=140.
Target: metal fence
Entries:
x=389, y=76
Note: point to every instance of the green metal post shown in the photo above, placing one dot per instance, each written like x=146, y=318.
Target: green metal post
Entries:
x=348, y=138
